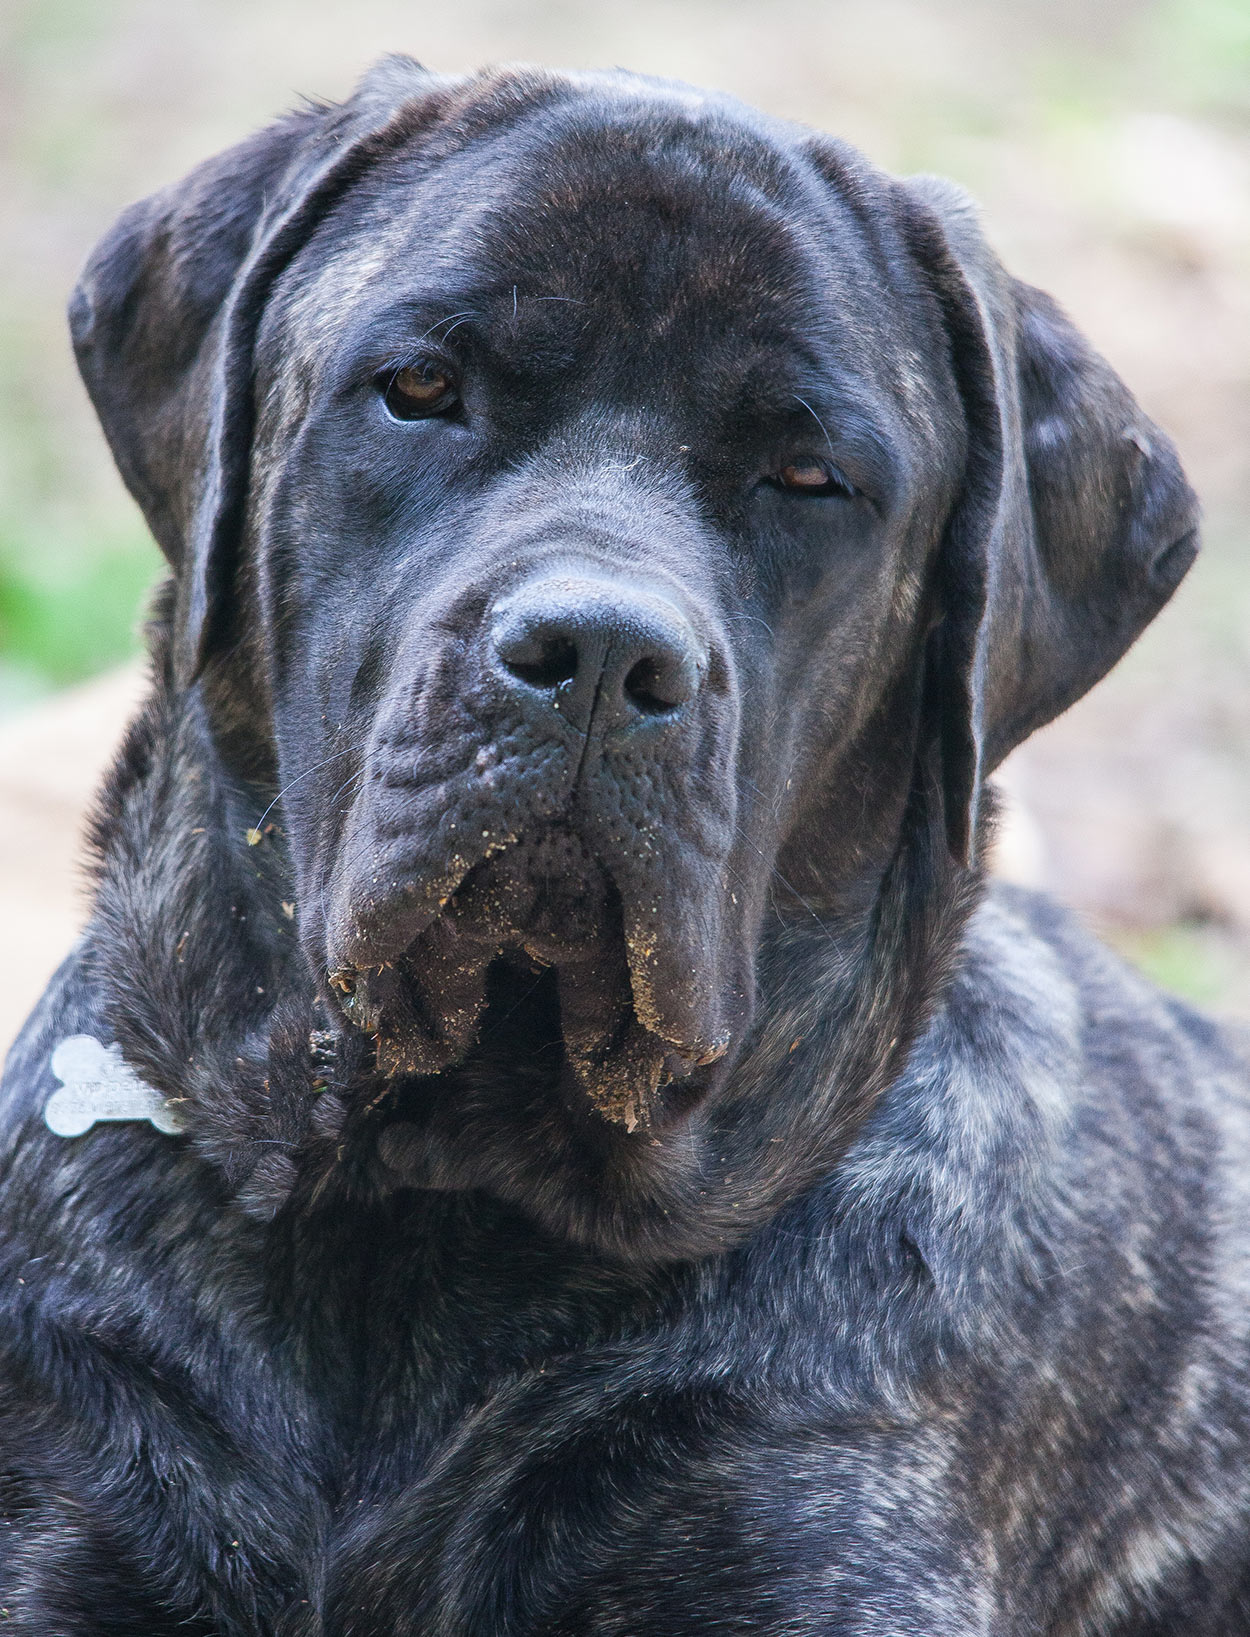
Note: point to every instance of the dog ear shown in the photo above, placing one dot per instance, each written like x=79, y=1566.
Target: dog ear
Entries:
x=1075, y=523
x=164, y=317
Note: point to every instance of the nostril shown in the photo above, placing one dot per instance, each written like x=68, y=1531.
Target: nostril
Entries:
x=655, y=687
x=542, y=662
x=597, y=652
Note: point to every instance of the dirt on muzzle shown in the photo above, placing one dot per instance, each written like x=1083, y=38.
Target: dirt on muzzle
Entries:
x=549, y=902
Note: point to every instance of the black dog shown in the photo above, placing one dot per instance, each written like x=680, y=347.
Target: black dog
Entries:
x=623, y=1171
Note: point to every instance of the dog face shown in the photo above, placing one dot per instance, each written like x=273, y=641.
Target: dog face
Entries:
x=589, y=546
x=598, y=511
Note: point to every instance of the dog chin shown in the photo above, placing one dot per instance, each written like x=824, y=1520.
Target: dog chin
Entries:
x=541, y=911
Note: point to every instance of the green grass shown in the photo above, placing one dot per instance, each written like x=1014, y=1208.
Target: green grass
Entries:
x=71, y=608
x=1202, y=963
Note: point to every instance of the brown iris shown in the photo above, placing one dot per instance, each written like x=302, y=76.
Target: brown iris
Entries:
x=419, y=390
x=809, y=475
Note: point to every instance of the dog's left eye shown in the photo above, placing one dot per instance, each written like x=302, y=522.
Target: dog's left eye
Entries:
x=814, y=477
x=418, y=391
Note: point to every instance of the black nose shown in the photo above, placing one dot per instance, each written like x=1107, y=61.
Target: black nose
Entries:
x=595, y=650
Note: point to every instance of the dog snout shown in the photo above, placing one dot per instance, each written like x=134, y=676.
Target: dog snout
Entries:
x=607, y=656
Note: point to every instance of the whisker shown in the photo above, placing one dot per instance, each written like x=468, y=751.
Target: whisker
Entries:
x=757, y=619
x=353, y=778
x=462, y=320
x=458, y=318
x=817, y=419
x=299, y=778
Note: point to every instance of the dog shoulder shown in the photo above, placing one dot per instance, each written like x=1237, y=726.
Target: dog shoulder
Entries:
x=1062, y=1127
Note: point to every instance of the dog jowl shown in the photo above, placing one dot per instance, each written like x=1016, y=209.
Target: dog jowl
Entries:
x=615, y=531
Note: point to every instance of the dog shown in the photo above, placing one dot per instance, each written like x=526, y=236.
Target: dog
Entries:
x=549, y=1128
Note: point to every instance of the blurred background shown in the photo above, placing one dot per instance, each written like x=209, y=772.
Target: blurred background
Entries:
x=1109, y=142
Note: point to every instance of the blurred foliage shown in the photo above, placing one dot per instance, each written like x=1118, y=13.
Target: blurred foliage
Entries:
x=1196, y=960
x=69, y=609
x=75, y=563
x=1198, y=52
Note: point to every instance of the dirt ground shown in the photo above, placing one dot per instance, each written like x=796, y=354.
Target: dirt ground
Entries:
x=51, y=759
x=1110, y=147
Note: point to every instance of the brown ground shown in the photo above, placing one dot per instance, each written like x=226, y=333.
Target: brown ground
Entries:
x=1110, y=145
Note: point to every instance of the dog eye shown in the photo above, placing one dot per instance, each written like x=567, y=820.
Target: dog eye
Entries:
x=418, y=391
x=814, y=477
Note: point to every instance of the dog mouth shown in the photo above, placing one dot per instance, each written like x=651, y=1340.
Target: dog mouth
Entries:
x=547, y=909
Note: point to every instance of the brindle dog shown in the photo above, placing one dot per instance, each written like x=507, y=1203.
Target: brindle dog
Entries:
x=634, y=1177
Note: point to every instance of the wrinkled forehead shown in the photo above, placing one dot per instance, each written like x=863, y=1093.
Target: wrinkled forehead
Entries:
x=640, y=220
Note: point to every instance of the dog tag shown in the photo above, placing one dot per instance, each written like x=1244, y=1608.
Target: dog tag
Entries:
x=98, y=1085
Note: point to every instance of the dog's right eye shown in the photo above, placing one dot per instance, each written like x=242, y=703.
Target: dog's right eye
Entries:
x=417, y=391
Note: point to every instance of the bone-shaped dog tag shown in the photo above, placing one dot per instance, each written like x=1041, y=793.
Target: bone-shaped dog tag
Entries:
x=98, y=1085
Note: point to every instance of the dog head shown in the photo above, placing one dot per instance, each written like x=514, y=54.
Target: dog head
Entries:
x=597, y=512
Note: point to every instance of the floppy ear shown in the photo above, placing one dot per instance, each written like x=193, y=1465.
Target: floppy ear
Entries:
x=164, y=317
x=1075, y=524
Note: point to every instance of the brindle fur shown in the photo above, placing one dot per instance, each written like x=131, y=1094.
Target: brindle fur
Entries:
x=898, y=1282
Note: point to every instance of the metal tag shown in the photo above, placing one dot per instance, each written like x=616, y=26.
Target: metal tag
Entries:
x=98, y=1085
